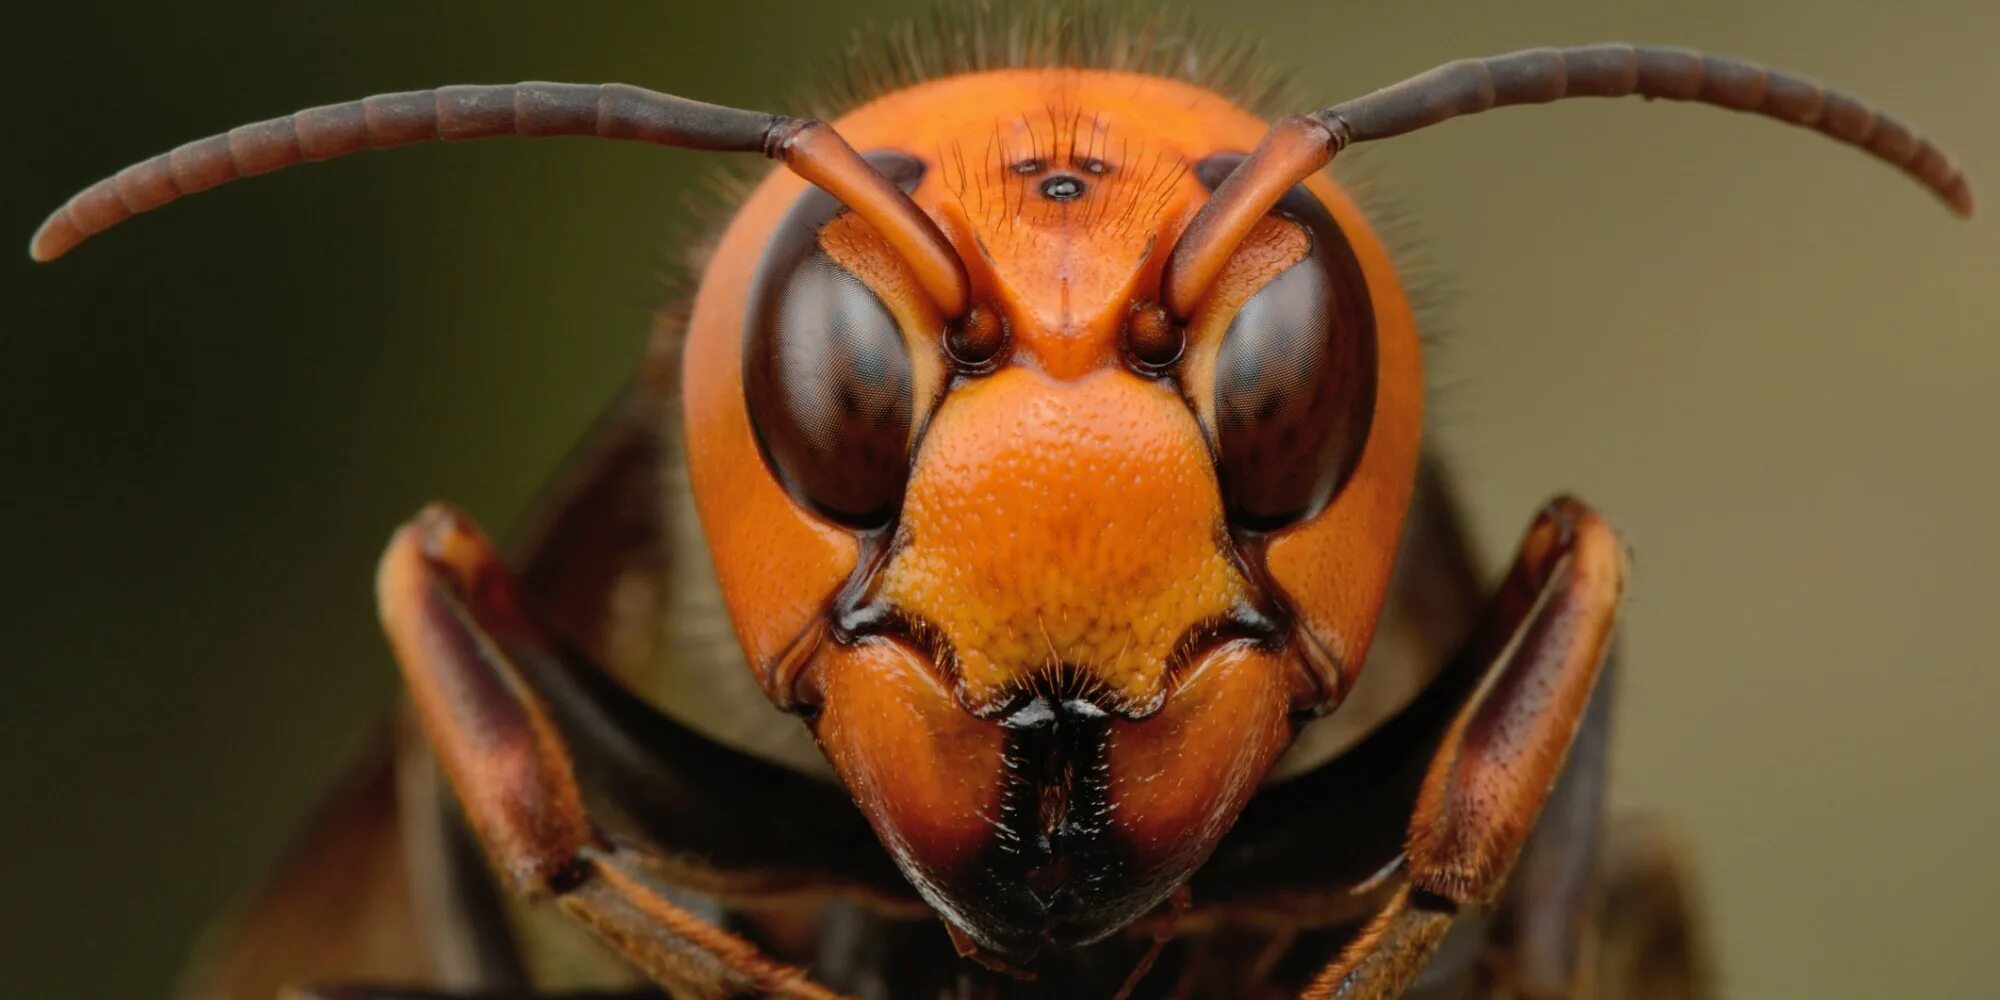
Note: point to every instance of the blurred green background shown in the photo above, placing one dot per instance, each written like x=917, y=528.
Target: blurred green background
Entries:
x=1772, y=362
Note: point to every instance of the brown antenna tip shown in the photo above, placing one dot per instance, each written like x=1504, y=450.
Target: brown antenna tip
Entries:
x=57, y=236
x=1959, y=197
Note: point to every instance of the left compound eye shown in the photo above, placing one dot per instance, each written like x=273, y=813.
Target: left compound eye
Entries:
x=1294, y=386
x=827, y=372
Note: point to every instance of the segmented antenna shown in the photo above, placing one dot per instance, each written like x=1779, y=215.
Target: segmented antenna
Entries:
x=605, y=111
x=1298, y=145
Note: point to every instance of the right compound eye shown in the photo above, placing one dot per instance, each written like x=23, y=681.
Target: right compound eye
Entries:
x=1294, y=388
x=827, y=371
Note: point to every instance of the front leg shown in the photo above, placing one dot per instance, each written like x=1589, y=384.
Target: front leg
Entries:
x=1545, y=637
x=345, y=992
x=458, y=633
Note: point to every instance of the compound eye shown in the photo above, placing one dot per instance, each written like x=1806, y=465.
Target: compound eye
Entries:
x=827, y=371
x=1294, y=375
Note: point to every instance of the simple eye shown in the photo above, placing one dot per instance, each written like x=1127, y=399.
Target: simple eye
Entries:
x=1294, y=375
x=826, y=370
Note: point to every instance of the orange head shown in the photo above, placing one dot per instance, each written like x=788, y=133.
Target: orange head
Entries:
x=1052, y=454
x=1052, y=580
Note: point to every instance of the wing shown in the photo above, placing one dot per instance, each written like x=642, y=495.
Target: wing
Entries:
x=338, y=904
x=374, y=887
x=384, y=885
x=380, y=884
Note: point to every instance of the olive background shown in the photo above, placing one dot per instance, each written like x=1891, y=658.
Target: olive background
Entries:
x=1770, y=360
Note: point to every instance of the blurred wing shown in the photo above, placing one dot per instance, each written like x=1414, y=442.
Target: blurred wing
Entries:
x=376, y=888
x=337, y=906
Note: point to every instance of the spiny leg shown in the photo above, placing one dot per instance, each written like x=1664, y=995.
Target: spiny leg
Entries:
x=457, y=632
x=1546, y=634
x=345, y=992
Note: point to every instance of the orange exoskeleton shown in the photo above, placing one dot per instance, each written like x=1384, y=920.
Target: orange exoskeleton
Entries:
x=1054, y=426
